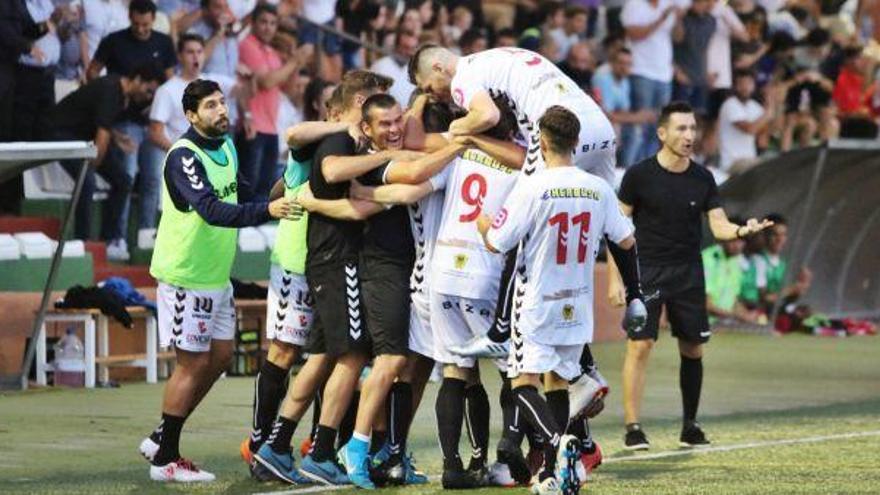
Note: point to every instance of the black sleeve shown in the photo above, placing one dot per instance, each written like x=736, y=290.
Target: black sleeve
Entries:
x=306, y=152
x=109, y=103
x=339, y=144
x=713, y=199
x=10, y=36
x=188, y=186
x=628, y=188
x=375, y=177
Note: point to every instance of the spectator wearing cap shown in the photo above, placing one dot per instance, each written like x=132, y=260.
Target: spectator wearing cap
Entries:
x=119, y=53
x=650, y=26
x=740, y=120
x=395, y=66
x=689, y=53
x=259, y=164
x=612, y=89
x=572, y=31
x=221, y=46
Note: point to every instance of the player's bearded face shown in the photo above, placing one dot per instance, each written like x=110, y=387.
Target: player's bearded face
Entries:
x=679, y=134
x=385, y=128
x=213, y=115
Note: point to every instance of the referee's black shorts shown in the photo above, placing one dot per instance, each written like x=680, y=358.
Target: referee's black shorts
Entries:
x=386, y=293
x=339, y=325
x=682, y=290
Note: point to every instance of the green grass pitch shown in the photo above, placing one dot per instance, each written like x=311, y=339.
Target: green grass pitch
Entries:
x=793, y=415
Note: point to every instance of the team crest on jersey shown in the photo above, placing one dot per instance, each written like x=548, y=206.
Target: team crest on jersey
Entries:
x=460, y=261
x=203, y=327
x=458, y=97
x=303, y=320
x=561, y=88
x=568, y=312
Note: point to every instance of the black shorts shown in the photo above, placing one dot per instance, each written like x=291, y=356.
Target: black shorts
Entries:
x=387, y=303
x=339, y=325
x=682, y=290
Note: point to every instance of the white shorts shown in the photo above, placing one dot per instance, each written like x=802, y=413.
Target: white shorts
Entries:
x=528, y=356
x=456, y=320
x=289, y=307
x=596, y=151
x=190, y=318
x=421, y=340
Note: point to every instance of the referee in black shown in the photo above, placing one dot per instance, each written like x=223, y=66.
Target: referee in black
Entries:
x=666, y=195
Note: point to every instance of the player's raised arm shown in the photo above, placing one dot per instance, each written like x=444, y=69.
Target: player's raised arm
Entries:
x=482, y=115
x=510, y=154
x=305, y=133
x=391, y=194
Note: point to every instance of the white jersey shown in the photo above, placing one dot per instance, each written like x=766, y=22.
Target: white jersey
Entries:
x=531, y=84
x=557, y=216
x=476, y=183
x=424, y=218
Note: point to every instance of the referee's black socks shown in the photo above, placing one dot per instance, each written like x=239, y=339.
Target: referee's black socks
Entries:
x=690, y=377
x=269, y=390
x=450, y=414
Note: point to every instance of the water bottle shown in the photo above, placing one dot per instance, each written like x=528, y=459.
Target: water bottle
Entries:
x=70, y=364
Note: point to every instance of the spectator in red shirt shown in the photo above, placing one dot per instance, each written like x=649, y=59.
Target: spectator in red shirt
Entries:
x=259, y=164
x=854, y=90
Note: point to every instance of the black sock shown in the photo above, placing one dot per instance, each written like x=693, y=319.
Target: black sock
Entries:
x=477, y=420
x=156, y=435
x=268, y=392
x=557, y=401
x=538, y=414
x=325, y=438
x=346, y=426
x=690, y=379
x=399, y=414
x=580, y=428
x=450, y=413
x=316, y=412
x=282, y=433
x=169, y=446
x=512, y=426
x=377, y=440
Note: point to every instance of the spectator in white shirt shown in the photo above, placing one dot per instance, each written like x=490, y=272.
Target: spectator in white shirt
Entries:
x=394, y=65
x=572, y=31
x=291, y=109
x=167, y=118
x=221, y=45
x=650, y=27
x=740, y=120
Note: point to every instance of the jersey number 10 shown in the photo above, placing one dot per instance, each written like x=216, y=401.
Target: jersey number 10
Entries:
x=560, y=220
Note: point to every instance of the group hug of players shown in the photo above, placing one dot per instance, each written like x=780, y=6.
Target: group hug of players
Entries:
x=465, y=227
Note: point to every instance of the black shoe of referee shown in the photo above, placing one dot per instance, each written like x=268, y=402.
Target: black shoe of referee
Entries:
x=635, y=438
x=692, y=436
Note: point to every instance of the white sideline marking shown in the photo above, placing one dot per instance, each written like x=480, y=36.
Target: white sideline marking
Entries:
x=643, y=457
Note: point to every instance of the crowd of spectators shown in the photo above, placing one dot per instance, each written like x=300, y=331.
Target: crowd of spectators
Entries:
x=764, y=75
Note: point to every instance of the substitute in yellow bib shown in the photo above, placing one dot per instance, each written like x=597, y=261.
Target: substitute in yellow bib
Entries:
x=192, y=261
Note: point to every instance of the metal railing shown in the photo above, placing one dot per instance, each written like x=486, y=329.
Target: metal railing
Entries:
x=324, y=30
